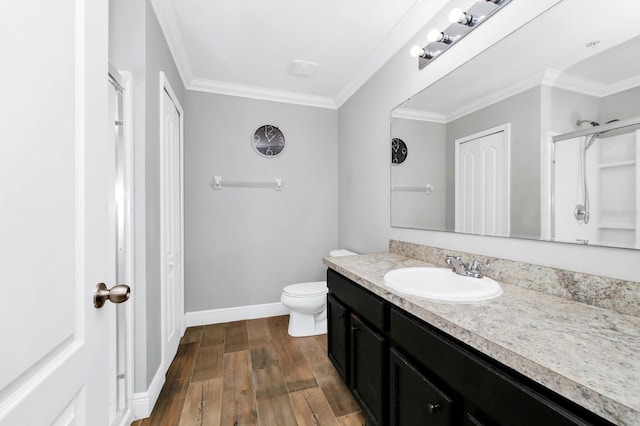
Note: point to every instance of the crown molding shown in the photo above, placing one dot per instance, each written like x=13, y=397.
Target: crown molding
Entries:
x=417, y=115
x=496, y=96
x=411, y=23
x=166, y=17
x=260, y=93
x=587, y=86
x=623, y=85
x=551, y=78
x=573, y=83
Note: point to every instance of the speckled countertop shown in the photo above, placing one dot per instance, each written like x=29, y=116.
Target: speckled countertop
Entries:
x=588, y=354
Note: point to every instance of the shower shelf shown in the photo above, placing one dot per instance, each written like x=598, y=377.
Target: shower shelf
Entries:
x=624, y=226
x=617, y=164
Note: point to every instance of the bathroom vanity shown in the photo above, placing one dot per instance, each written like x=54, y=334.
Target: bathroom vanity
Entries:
x=524, y=358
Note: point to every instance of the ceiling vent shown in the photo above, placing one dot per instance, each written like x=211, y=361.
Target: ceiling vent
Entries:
x=302, y=68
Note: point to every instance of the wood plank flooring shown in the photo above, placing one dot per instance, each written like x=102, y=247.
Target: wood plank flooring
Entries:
x=252, y=373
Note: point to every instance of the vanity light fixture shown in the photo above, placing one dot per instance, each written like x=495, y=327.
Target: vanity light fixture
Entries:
x=462, y=22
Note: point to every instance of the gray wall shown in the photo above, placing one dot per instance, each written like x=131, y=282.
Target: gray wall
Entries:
x=364, y=156
x=242, y=245
x=523, y=112
x=562, y=108
x=425, y=164
x=622, y=105
x=137, y=45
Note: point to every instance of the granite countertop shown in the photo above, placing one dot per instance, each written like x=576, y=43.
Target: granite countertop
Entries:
x=589, y=355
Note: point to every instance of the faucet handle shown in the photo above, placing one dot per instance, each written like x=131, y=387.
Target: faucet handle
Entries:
x=473, y=267
x=450, y=259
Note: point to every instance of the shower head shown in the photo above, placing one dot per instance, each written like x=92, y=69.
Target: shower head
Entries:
x=595, y=136
x=593, y=123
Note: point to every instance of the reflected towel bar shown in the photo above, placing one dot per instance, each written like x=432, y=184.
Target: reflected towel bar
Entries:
x=427, y=189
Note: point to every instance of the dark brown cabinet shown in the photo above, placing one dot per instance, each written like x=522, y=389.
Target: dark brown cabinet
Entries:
x=368, y=362
x=405, y=372
x=337, y=343
x=415, y=400
x=357, y=347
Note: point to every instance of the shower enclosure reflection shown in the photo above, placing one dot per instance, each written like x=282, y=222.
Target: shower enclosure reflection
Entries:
x=596, y=192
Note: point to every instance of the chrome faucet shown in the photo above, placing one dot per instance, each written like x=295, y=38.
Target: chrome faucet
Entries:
x=461, y=268
x=457, y=265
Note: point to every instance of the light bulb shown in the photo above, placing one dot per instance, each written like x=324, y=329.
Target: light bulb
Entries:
x=416, y=51
x=456, y=15
x=438, y=36
x=434, y=35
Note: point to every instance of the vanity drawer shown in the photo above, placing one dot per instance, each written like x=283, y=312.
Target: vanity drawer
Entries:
x=503, y=395
x=369, y=306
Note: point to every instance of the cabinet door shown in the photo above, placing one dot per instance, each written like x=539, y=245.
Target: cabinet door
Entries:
x=337, y=343
x=415, y=400
x=367, y=370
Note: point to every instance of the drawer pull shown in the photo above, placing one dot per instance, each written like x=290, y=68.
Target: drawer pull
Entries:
x=340, y=316
x=354, y=328
x=432, y=408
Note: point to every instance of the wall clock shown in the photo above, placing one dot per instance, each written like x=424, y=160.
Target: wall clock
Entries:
x=398, y=151
x=268, y=140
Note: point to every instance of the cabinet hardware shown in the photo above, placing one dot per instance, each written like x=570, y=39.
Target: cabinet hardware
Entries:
x=354, y=328
x=432, y=408
x=340, y=316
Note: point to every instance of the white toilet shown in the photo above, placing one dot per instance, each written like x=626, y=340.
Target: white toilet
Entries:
x=307, y=303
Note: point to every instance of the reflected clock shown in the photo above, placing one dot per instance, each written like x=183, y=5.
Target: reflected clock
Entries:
x=398, y=151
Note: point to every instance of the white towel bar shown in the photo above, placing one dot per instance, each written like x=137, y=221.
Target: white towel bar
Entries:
x=219, y=183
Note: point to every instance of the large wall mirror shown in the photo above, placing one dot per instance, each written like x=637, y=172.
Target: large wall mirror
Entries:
x=536, y=137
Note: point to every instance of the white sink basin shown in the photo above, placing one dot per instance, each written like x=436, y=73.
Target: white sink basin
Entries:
x=441, y=284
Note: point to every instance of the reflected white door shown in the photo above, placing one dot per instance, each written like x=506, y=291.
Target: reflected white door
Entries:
x=171, y=220
x=55, y=171
x=120, y=339
x=482, y=182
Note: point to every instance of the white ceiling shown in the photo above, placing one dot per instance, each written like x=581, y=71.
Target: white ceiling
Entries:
x=244, y=47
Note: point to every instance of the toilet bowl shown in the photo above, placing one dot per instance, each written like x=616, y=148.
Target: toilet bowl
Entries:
x=307, y=303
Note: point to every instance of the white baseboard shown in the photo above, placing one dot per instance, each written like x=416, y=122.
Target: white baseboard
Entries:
x=143, y=402
x=239, y=313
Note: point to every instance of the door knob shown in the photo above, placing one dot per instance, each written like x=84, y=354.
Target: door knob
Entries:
x=117, y=294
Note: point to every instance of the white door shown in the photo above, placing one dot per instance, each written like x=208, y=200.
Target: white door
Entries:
x=482, y=182
x=55, y=171
x=171, y=220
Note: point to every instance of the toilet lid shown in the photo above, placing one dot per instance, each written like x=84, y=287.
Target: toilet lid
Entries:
x=306, y=289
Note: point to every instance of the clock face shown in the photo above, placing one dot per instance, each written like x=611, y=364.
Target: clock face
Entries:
x=398, y=151
x=268, y=140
